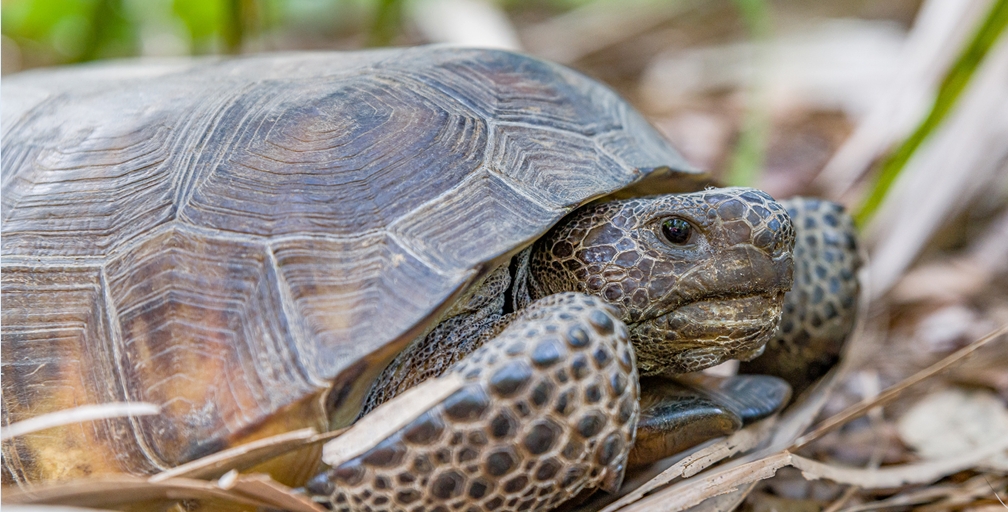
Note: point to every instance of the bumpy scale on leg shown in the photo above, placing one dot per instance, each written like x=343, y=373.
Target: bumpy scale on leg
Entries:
x=549, y=408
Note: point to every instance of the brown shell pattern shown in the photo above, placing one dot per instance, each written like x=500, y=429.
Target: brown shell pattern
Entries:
x=227, y=238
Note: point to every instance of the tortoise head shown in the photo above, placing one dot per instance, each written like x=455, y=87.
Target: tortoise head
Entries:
x=698, y=278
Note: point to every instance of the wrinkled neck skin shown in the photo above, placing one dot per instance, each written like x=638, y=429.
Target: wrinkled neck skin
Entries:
x=689, y=303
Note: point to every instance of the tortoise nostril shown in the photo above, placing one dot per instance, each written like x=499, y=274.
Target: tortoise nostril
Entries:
x=778, y=245
x=765, y=240
x=774, y=237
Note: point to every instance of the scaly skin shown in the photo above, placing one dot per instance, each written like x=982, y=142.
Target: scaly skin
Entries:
x=688, y=306
x=734, y=261
x=819, y=311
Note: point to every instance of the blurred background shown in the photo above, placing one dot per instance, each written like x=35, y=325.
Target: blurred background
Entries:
x=898, y=109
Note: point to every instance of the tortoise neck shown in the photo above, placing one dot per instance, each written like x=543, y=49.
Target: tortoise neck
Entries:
x=524, y=287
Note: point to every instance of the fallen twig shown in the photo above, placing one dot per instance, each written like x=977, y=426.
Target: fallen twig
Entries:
x=887, y=396
x=77, y=415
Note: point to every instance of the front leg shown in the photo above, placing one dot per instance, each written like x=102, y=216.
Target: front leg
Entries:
x=543, y=410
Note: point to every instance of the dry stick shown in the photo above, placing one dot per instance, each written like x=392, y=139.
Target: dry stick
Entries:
x=784, y=427
x=890, y=394
x=837, y=504
x=873, y=462
x=388, y=418
x=851, y=490
x=726, y=502
x=730, y=478
x=892, y=477
x=994, y=491
x=115, y=490
x=49, y=508
x=740, y=441
x=257, y=490
x=879, y=400
x=779, y=430
x=970, y=490
x=247, y=455
x=261, y=487
x=181, y=481
x=77, y=415
x=864, y=338
x=690, y=493
x=929, y=494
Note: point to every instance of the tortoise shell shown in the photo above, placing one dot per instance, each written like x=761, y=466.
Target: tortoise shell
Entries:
x=247, y=242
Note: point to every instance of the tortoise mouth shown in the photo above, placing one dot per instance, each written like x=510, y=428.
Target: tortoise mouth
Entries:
x=706, y=332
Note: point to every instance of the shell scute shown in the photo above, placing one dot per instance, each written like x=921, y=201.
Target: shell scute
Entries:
x=203, y=334
x=55, y=357
x=339, y=158
x=513, y=88
x=336, y=289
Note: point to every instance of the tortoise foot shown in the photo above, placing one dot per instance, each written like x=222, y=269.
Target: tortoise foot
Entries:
x=678, y=414
x=540, y=412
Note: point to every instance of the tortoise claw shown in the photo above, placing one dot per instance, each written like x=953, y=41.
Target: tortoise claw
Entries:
x=679, y=414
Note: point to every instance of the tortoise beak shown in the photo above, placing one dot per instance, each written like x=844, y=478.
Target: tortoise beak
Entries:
x=704, y=333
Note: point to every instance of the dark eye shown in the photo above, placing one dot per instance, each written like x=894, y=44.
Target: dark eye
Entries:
x=676, y=231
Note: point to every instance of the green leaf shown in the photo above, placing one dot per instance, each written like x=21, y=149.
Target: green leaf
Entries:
x=956, y=79
x=71, y=30
x=750, y=152
x=388, y=18
x=205, y=20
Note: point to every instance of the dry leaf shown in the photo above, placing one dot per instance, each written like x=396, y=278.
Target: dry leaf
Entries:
x=953, y=421
x=892, y=393
x=115, y=490
x=388, y=418
x=972, y=489
x=965, y=158
x=112, y=491
x=692, y=492
x=48, y=508
x=890, y=477
x=740, y=441
x=938, y=32
x=245, y=456
x=265, y=489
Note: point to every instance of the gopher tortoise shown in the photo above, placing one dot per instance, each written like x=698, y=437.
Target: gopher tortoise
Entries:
x=475, y=251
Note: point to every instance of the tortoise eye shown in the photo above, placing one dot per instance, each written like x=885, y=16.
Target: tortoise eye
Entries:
x=676, y=231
